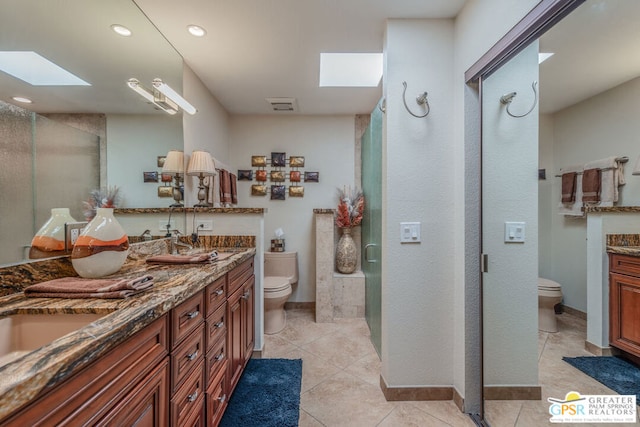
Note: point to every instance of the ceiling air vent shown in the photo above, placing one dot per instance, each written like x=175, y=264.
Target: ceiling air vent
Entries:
x=282, y=104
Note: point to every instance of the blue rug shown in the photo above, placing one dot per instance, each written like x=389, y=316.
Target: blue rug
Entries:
x=267, y=395
x=614, y=372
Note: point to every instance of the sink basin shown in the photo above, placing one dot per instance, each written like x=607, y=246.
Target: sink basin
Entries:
x=22, y=333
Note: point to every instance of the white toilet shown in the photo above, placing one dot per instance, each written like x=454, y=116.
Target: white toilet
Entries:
x=280, y=274
x=549, y=294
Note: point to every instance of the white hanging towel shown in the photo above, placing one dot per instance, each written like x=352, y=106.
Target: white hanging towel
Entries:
x=612, y=177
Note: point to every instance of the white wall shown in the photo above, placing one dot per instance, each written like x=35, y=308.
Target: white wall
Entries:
x=206, y=130
x=602, y=126
x=134, y=143
x=327, y=143
x=546, y=207
x=417, y=279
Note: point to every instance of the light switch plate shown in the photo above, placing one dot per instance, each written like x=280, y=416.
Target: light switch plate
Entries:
x=409, y=232
x=514, y=232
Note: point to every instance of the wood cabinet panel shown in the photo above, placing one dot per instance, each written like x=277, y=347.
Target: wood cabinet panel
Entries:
x=624, y=312
x=239, y=275
x=248, y=317
x=186, y=357
x=215, y=295
x=235, y=346
x=188, y=398
x=216, y=399
x=624, y=264
x=216, y=326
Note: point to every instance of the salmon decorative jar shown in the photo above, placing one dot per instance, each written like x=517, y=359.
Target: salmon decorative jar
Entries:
x=102, y=247
x=49, y=240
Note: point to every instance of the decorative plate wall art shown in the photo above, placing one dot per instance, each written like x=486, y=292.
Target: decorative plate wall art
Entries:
x=296, y=191
x=258, y=190
x=278, y=192
x=278, y=159
x=165, y=191
x=245, y=175
x=261, y=175
x=277, y=176
x=258, y=161
x=296, y=161
x=294, y=176
x=311, y=177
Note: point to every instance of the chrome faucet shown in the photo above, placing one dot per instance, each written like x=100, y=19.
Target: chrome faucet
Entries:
x=175, y=243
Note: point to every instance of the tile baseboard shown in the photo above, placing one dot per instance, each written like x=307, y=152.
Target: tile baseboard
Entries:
x=415, y=393
x=513, y=393
x=574, y=312
x=300, y=305
x=597, y=350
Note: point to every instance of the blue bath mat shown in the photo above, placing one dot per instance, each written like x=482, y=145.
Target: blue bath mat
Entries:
x=614, y=372
x=267, y=395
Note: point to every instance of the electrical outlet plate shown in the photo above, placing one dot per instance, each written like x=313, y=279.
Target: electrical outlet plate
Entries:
x=72, y=231
x=204, y=225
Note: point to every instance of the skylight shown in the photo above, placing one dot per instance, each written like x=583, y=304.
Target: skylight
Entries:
x=350, y=69
x=543, y=56
x=37, y=70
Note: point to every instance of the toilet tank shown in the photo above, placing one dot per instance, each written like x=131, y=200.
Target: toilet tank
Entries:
x=284, y=264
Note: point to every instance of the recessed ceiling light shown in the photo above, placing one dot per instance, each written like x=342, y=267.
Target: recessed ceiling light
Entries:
x=121, y=29
x=350, y=69
x=22, y=99
x=196, y=30
x=544, y=56
x=37, y=70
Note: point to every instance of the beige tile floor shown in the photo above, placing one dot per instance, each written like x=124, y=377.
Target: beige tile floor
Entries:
x=341, y=376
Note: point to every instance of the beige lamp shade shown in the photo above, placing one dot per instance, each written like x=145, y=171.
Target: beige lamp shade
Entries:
x=174, y=162
x=636, y=168
x=201, y=163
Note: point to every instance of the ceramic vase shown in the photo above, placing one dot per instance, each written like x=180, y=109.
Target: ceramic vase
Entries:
x=102, y=247
x=49, y=240
x=346, y=253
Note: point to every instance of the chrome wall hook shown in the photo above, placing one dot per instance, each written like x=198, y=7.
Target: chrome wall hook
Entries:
x=507, y=98
x=382, y=105
x=420, y=100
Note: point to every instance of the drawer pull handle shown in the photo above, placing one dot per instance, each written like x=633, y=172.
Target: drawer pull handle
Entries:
x=193, y=355
x=192, y=397
x=193, y=314
x=219, y=357
x=246, y=295
x=219, y=292
x=219, y=325
x=222, y=398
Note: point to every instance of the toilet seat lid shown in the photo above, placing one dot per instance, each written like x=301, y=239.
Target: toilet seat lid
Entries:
x=546, y=284
x=276, y=283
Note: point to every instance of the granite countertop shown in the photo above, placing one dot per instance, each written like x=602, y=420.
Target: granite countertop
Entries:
x=624, y=250
x=25, y=377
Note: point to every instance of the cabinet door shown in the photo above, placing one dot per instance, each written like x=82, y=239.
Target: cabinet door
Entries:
x=248, y=324
x=624, y=312
x=235, y=346
x=146, y=404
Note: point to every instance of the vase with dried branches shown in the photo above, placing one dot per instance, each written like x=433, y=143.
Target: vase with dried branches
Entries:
x=348, y=215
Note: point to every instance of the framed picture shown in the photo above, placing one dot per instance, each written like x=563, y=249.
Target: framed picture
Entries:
x=261, y=175
x=166, y=177
x=165, y=191
x=161, y=160
x=296, y=191
x=277, y=176
x=311, y=177
x=245, y=175
x=258, y=190
x=258, y=161
x=294, y=176
x=150, y=176
x=296, y=161
x=278, y=192
x=278, y=159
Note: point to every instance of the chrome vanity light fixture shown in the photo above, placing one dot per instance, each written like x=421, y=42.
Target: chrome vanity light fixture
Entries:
x=174, y=165
x=201, y=165
x=135, y=85
x=174, y=96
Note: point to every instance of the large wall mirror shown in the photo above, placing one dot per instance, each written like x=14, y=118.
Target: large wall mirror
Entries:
x=73, y=139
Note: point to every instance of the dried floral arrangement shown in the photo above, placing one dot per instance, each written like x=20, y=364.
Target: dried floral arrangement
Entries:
x=350, y=207
x=102, y=198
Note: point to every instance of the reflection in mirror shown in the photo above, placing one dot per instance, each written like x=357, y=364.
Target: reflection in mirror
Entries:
x=122, y=135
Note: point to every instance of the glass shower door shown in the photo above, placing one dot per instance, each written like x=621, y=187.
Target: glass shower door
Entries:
x=372, y=224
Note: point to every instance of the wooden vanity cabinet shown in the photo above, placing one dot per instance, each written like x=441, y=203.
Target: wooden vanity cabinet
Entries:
x=624, y=303
x=129, y=384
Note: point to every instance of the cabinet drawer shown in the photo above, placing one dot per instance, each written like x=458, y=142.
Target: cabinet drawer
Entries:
x=189, y=398
x=624, y=264
x=186, y=356
x=216, y=326
x=239, y=275
x=215, y=295
x=215, y=360
x=186, y=317
x=216, y=399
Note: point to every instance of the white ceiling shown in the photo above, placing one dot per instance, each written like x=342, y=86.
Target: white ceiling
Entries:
x=256, y=49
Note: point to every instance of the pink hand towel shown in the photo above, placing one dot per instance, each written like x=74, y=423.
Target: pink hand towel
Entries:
x=78, y=287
